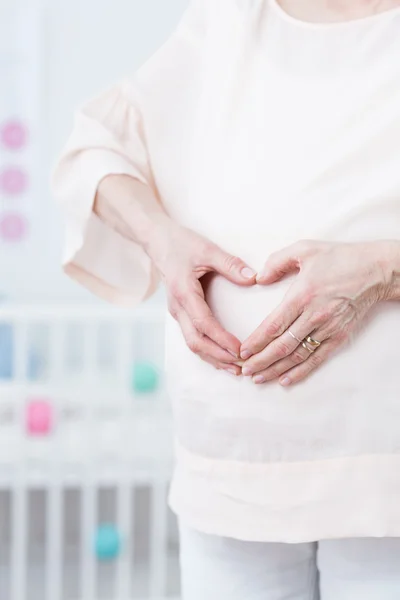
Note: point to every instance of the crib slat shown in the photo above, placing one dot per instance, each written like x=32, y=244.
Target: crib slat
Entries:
x=19, y=541
x=125, y=513
x=89, y=508
x=57, y=351
x=158, y=541
x=90, y=370
x=88, y=527
x=54, y=542
x=20, y=351
x=124, y=347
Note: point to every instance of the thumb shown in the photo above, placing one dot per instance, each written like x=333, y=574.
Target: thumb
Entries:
x=279, y=264
x=232, y=268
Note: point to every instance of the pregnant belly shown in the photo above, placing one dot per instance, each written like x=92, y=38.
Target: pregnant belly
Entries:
x=241, y=309
x=368, y=359
x=222, y=416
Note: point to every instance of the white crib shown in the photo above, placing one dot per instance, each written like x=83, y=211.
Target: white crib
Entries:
x=82, y=446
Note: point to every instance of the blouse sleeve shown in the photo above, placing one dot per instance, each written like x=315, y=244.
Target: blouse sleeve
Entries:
x=108, y=138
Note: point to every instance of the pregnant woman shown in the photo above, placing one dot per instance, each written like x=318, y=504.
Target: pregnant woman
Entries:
x=253, y=166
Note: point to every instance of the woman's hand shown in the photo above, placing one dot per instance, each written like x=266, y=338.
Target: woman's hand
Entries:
x=183, y=257
x=336, y=286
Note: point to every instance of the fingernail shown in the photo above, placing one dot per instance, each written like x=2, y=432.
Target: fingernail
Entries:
x=234, y=354
x=285, y=381
x=258, y=379
x=232, y=372
x=246, y=371
x=245, y=354
x=248, y=273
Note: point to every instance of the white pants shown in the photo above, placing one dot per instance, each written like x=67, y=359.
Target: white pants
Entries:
x=215, y=568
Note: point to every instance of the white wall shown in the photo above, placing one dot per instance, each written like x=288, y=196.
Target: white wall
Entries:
x=88, y=44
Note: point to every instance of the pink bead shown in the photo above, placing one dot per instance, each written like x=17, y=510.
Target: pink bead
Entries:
x=13, y=181
x=13, y=227
x=39, y=417
x=14, y=135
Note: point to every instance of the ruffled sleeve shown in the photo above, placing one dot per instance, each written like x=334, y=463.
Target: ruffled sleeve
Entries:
x=108, y=138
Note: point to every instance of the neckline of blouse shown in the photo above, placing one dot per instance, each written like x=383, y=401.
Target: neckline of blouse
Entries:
x=334, y=25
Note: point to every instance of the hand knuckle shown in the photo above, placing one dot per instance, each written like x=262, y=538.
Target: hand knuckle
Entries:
x=274, y=372
x=316, y=360
x=320, y=316
x=309, y=293
x=193, y=343
x=282, y=350
x=341, y=337
x=298, y=356
x=200, y=323
x=274, y=328
x=232, y=263
x=197, y=323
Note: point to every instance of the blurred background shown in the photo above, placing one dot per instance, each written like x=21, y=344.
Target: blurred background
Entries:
x=85, y=428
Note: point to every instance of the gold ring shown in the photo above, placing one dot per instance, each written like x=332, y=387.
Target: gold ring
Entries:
x=313, y=343
x=293, y=336
x=304, y=344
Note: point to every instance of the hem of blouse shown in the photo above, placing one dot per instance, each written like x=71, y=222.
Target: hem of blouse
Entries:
x=102, y=289
x=297, y=502
x=77, y=221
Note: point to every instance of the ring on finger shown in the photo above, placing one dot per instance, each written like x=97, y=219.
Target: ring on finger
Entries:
x=304, y=344
x=312, y=342
x=294, y=337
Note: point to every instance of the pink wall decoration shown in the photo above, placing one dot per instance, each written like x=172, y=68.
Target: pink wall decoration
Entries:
x=39, y=417
x=13, y=227
x=21, y=153
x=14, y=135
x=13, y=181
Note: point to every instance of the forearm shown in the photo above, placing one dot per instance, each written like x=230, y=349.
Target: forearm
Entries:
x=130, y=208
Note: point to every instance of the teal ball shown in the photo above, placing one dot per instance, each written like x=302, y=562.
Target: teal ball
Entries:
x=145, y=378
x=107, y=542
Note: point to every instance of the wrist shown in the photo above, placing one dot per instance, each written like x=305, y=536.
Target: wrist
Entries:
x=131, y=208
x=154, y=225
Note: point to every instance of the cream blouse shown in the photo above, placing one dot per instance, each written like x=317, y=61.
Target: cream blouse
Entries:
x=257, y=130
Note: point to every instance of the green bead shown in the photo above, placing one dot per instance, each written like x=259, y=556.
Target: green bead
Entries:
x=145, y=377
x=107, y=542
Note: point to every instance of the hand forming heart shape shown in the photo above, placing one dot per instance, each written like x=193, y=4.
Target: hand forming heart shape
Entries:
x=337, y=284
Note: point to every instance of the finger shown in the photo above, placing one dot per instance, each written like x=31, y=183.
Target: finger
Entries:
x=272, y=327
x=231, y=267
x=298, y=356
x=202, y=319
x=285, y=261
x=229, y=368
x=312, y=322
x=286, y=344
x=315, y=360
x=276, y=351
x=203, y=346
